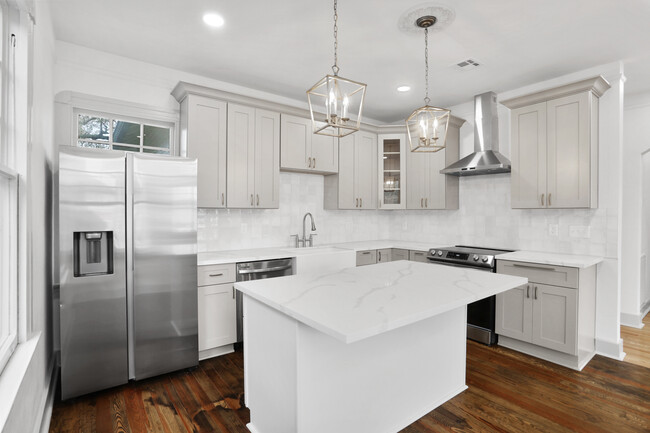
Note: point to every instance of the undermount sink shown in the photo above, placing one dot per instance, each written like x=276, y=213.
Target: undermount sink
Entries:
x=314, y=250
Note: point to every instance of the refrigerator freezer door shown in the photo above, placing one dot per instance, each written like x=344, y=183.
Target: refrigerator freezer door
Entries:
x=164, y=284
x=92, y=239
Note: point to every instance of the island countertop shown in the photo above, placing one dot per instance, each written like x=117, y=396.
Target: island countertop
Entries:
x=358, y=303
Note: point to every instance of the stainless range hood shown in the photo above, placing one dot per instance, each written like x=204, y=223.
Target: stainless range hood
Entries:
x=486, y=158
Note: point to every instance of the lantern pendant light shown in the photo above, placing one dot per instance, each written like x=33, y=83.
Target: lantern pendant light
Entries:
x=427, y=126
x=339, y=98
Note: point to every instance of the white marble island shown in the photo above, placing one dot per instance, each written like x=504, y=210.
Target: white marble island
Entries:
x=367, y=349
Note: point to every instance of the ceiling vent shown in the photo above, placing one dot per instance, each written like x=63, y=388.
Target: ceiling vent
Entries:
x=467, y=65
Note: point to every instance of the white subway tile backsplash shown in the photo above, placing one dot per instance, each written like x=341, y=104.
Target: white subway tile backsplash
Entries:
x=484, y=218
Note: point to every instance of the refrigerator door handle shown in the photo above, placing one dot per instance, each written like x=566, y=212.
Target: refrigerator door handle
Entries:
x=130, y=291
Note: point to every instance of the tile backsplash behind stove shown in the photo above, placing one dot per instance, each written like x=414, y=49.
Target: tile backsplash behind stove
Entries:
x=484, y=218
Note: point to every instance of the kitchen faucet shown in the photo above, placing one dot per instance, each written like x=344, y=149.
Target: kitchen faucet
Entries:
x=305, y=240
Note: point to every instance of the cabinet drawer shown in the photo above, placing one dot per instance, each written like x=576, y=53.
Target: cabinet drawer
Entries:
x=543, y=274
x=216, y=274
x=418, y=256
x=368, y=257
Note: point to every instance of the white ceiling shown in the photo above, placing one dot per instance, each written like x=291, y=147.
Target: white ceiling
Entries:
x=285, y=46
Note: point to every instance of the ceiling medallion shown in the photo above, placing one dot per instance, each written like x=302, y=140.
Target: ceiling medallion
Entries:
x=443, y=14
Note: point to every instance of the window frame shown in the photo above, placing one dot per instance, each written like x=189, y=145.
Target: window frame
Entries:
x=9, y=270
x=77, y=111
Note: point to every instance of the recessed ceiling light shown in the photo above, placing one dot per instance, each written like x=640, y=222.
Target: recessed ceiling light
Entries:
x=403, y=88
x=213, y=20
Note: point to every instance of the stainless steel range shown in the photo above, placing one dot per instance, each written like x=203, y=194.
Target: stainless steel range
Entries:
x=480, y=314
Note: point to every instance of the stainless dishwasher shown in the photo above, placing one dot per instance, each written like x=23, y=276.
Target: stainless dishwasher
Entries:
x=257, y=271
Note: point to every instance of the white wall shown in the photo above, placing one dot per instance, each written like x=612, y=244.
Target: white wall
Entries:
x=484, y=217
x=35, y=353
x=634, y=240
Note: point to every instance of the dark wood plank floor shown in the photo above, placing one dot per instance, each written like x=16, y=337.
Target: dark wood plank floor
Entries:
x=636, y=343
x=508, y=392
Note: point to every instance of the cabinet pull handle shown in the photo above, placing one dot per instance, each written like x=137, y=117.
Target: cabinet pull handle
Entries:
x=258, y=199
x=252, y=202
x=542, y=199
x=549, y=198
x=314, y=162
x=357, y=205
x=233, y=292
x=366, y=252
x=310, y=162
x=421, y=202
x=426, y=202
x=361, y=202
x=527, y=291
x=379, y=254
x=535, y=292
x=222, y=199
x=542, y=267
x=217, y=275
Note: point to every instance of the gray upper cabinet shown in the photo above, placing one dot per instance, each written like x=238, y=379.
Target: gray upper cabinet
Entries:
x=426, y=187
x=304, y=151
x=203, y=136
x=554, y=146
x=253, y=158
x=355, y=185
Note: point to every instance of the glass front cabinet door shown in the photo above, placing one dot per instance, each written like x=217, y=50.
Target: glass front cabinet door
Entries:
x=392, y=165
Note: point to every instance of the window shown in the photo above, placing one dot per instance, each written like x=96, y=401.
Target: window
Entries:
x=102, y=131
x=8, y=202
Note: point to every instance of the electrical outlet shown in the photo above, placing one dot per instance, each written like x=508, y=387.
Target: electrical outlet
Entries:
x=552, y=230
x=583, y=232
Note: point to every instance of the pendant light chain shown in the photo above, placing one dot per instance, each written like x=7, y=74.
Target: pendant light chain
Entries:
x=335, y=68
x=426, y=65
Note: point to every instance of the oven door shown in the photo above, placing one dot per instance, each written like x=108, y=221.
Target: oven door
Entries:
x=481, y=315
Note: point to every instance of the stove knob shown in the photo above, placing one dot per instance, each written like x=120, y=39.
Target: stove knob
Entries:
x=475, y=258
x=439, y=253
x=485, y=259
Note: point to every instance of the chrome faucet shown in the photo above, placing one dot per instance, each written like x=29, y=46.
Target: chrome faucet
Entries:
x=305, y=240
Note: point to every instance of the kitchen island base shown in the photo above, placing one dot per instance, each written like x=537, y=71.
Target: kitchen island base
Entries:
x=300, y=380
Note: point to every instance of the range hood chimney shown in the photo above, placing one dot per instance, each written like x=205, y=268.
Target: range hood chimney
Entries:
x=486, y=158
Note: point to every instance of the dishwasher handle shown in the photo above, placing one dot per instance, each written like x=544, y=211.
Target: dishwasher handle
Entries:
x=261, y=271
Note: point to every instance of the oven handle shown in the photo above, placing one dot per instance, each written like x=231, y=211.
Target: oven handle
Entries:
x=456, y=265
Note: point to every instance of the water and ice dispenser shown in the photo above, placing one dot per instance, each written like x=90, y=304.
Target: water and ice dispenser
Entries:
x=93, y=253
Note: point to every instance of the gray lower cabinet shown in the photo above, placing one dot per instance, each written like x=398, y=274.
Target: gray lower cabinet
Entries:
x=384, y=255
x=216, y=309
x=552, y=316
x=399, y=254
x=418, y=256
x=367, y=257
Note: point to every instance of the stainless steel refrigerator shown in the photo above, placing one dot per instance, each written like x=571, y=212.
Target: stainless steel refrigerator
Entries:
x=127, y=236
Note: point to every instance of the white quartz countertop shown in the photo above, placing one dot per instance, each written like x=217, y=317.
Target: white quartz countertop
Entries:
x=253, y=254
x=358, y=303
x=569, y=260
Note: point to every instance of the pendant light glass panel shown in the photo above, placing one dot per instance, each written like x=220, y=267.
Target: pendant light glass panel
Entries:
x=342, y=102
x=427, y=129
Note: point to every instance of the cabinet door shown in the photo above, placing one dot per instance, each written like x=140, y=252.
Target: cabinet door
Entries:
x=296, y=139
x=267, y=159
x=399, y=254
x=384, y=255
x=436, y=197
x=241, y=156
x=514, y=313
x=416, y=179
x=368, y=257
x=555, y=318
x=346, y=188
x=217, y=319
x=528, y=156
x=391, y=171
x=324, y=153
x=204, y=122
x=418, y=256
x=568, y=151
x=366, y=169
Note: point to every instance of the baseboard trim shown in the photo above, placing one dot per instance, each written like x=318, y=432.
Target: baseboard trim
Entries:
x=632, y=320
x=610, y=349
x=47, y=403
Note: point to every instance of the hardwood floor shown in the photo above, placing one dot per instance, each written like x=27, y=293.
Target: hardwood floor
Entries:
x=636, y=343
x=508, y=392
